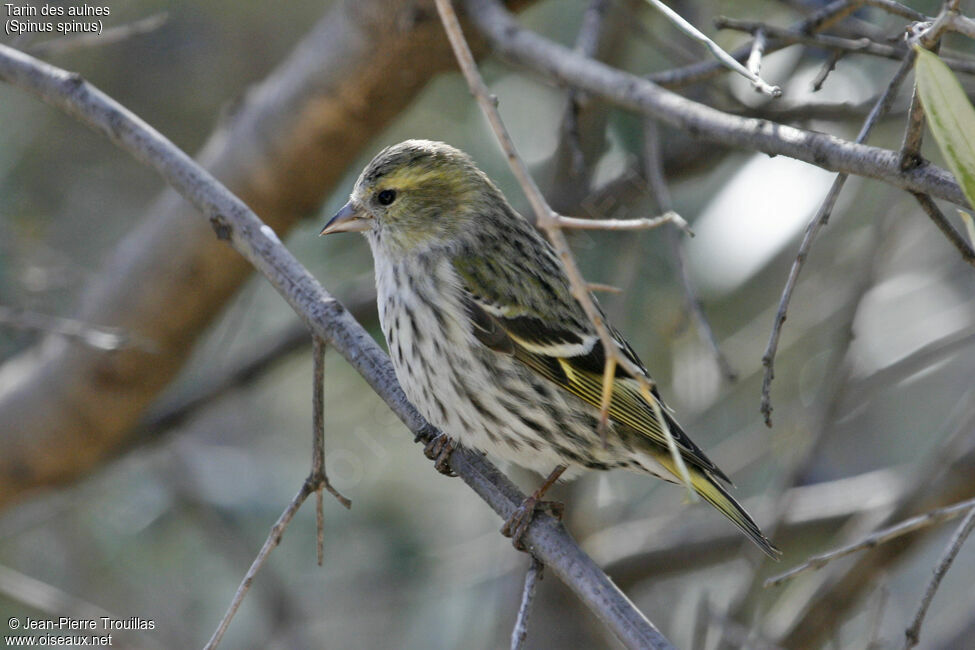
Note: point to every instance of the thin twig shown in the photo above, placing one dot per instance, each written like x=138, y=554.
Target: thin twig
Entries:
x=550, y=223
x=759, y=44
x=318, y=477
x=703, y=70
x=653, y=162
x=723, y=57
x=828, y=66
x=910, y=153
x=786, y=36
x=875, y=539
x=646, y=223
x=934, y=213
x=316, y=482
x=812, y=229
x=318, y=437
x=520, y=631
x=273, y=539
x=913, y=633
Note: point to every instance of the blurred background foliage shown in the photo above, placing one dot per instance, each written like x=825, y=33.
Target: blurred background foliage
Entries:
x=167, y=530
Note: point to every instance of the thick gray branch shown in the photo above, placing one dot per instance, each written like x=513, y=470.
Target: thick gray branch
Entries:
x=629, y=91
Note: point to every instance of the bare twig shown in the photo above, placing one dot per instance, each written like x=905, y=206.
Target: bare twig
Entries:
x=934, y=213
x=696, y=72
x=723, y=57
x=647, y=223
x=551, y=223
x=759, y=44
x=812, y=229
x=327, y=319
x=913, y=633
x=273, y=539
x=647, y=98
x=784, y=36
x=828, y=66
x=532, y=576
x=316, y=482
x=661, y=194
x=943, y=478
x=318, y=475
x=911, y=146
x=875, y=539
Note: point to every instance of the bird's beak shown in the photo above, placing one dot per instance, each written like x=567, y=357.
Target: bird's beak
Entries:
x=348, y=219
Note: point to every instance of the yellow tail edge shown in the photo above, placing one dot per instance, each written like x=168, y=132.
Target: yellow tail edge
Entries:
x=714, y=493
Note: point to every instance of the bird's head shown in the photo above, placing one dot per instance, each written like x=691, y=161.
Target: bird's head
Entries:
x=416, y=195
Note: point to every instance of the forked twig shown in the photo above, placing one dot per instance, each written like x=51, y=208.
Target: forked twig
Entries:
x=316, y=482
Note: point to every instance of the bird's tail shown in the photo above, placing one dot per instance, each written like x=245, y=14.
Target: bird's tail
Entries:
x=714, y=493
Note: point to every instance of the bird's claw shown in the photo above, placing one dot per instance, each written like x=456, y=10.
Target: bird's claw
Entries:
x=438, y=450
x=517, y=524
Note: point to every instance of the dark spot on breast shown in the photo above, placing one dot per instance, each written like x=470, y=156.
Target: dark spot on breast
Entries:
x=480, y=408
x=531, y=424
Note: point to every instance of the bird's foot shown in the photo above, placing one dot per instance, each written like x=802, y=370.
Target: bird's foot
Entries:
x=439, y=450
x=517, y=524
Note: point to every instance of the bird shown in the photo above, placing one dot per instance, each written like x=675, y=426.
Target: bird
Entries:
x=489, y=343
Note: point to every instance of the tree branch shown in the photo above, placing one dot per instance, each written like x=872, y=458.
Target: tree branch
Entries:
x=522, y=47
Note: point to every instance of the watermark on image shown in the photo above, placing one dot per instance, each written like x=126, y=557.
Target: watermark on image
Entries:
x=20, y=19
x=71, y=632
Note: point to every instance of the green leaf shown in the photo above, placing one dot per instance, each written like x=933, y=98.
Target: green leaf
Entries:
x=950, y=117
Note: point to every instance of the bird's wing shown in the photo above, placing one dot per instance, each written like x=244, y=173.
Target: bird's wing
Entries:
x=538, y=322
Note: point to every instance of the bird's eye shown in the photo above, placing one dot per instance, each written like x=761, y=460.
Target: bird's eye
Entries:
x=386, y=197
